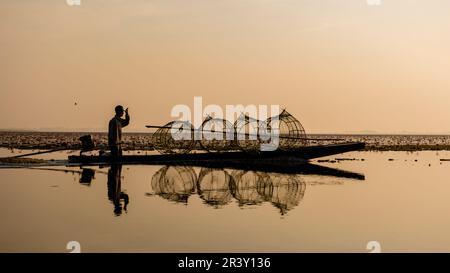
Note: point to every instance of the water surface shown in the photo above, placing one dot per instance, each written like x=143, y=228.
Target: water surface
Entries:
x=402, y=203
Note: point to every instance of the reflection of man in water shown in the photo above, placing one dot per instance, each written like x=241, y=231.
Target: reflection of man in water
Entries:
x=115, y=130
x=115, y=193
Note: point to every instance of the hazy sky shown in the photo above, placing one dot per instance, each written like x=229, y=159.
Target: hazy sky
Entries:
x=338, y=65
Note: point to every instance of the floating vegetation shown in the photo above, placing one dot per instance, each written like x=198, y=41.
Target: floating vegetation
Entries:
x=21, y=161
x=145, y=141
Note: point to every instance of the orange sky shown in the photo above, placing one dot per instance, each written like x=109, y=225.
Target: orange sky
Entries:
x=338, y=65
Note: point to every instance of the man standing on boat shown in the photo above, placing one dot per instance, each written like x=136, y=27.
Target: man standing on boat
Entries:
x=115, y=130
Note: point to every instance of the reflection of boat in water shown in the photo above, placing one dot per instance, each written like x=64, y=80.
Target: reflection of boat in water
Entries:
x=217, y=187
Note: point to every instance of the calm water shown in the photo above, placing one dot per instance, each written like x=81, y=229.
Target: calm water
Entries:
x=403, y=204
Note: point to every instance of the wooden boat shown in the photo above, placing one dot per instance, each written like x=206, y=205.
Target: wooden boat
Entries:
x=273, y=158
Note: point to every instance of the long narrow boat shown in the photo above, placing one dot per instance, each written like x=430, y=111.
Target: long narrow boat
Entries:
x=273, y=158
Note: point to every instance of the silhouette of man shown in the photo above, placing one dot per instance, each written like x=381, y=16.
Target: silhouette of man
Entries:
x=115, y=193
x=115, y=130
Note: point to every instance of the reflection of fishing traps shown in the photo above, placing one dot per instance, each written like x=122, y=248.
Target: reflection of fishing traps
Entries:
x=176, y=137
x=246, y=186
x=215, y=186
x=284, y=191
x=175, y=183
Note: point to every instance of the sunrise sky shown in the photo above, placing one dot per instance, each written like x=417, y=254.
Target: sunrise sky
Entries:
x=340, y=66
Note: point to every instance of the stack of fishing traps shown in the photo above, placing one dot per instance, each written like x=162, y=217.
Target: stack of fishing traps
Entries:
x=283, y=132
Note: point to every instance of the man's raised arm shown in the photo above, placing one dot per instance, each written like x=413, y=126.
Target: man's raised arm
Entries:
x=126, y=121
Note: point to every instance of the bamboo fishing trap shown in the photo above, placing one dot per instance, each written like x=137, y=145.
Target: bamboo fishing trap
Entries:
x=246, y=134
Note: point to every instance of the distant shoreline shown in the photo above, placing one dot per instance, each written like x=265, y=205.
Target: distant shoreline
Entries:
x=143, y=141
x=142, y=132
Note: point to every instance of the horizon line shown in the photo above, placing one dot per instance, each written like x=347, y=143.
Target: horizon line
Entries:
x=143, y=132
